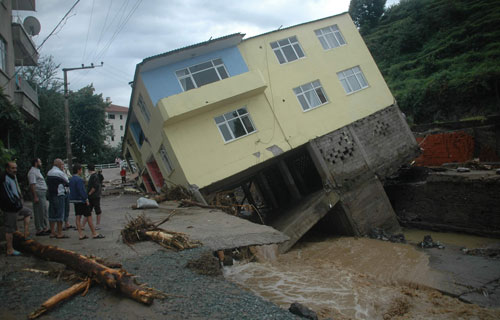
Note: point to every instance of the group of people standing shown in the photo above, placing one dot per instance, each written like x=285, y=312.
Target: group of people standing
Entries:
x=60, y=191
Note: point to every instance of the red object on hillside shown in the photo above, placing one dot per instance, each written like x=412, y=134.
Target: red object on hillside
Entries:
x=446, y=147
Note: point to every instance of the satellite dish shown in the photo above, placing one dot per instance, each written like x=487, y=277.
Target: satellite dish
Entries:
x=32, y=25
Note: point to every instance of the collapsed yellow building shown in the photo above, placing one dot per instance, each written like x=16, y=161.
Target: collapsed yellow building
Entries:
x=299, y=120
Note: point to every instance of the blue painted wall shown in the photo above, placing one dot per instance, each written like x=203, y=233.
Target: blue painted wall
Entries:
x=162, y=82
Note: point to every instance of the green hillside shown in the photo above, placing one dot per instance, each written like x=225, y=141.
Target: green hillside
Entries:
x=441, y=58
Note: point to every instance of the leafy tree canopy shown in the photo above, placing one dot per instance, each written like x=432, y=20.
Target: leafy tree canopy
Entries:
x=366, y=13
x=440, y=57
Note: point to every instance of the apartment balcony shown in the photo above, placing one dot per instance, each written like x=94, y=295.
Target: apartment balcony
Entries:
x=25, y=53
x=190, y=103
x=26, y=99
x=25, y=5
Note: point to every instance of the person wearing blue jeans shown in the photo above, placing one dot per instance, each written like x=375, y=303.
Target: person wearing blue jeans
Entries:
x=57, y=182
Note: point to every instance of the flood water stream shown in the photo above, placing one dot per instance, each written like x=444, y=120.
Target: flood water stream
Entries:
x=358, y=278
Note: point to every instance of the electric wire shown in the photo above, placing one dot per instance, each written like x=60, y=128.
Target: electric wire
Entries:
x=88, y=31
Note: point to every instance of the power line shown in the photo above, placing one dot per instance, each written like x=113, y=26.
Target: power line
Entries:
x=53, y=30
x=88, y=31
x=103, y=27
x=120, y=28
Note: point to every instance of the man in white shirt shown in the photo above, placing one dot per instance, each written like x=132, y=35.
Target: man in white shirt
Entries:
x=38, y=189
x=57, y=182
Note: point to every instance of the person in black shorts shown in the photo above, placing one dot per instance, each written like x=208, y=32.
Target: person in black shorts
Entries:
x=78, y=196
x=94, y=191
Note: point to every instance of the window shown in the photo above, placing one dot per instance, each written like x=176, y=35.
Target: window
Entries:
x=310, y=95
x=121, y=117
x=111, y=116
x=112, y=138
x=166, y=159
x=235, y=124
x=3, y=55
x=201, y=74
x=330, y=37
x=287, y=50
x=121, y=128
x=352, y=79
x=112, y=127
x=144, y=109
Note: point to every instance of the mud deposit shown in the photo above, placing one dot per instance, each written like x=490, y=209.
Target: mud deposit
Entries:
x=348, y=278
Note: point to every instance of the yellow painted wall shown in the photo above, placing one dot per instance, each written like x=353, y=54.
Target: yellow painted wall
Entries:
x=342, y=109
x=204, y=155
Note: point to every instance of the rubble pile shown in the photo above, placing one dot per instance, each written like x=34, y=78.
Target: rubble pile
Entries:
x=380, y=234
x=429, y=243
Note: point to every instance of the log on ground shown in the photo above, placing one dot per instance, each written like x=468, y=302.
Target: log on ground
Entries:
x=61, y=296
x=119, y=280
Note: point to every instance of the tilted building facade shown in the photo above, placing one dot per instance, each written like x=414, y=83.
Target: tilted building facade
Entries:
x=300, y=119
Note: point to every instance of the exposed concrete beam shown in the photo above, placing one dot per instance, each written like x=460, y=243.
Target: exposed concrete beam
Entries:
x=288, y=178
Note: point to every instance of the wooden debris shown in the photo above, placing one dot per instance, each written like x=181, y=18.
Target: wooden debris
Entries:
x=61, y=296
x=119, y=280
x=142, y=229
x=36, y=271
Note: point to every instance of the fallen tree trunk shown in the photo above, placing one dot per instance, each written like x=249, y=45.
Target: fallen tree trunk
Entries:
x=119, y=280
x=61, y=296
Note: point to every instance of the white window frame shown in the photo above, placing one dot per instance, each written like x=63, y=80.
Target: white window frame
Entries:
x=144, y=109
x=324, y=37
x=302, y=91
x=357, y=75
x=166, y=160
x=3, y=55
x=111, y=116
x=292, y=42
x=189, y=74
x=226, y=121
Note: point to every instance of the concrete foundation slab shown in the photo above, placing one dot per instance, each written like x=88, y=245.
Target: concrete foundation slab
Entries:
x=304, y=216
x=216, y=229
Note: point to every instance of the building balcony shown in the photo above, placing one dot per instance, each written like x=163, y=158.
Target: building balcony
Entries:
x=190, y=103
x=25, y=53
x=25, y=5
x=26, y=99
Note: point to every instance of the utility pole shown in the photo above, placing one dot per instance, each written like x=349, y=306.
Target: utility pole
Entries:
x=69, y=154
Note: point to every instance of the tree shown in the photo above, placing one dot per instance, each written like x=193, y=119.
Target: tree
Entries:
x=88, y=124
x=87, y=117
x=440, y=57
x=366, y=13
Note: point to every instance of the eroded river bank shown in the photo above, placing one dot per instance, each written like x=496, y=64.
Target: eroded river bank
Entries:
x=361, y=278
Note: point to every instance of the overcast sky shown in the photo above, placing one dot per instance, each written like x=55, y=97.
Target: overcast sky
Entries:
x=121, y=33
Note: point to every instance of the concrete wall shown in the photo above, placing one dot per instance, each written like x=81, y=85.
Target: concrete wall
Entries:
x=6, y=35
x=358, y=157
x=466, y=202
x=378, y=144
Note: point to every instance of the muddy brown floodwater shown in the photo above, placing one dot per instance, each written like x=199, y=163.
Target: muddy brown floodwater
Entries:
x=355, y=278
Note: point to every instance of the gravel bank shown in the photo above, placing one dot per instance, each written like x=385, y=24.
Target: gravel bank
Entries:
x=192, y=296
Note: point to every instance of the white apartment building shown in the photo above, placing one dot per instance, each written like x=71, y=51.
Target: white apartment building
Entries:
x=116, y=116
